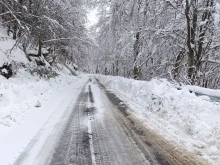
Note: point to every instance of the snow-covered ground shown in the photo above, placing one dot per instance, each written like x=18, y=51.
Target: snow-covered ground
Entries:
x=26, y=103
x=188, y=120
x=204, y=91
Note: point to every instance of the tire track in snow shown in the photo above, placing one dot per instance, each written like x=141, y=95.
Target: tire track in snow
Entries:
x=90, y=108
x=74, y=145
x=101, y=131
x=39, y=149
x=156, y=148
x=112, y=145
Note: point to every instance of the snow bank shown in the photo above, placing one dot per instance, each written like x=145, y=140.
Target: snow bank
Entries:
x=205, y=91
x=26, y=103
x=189, y=120
x=19, y=95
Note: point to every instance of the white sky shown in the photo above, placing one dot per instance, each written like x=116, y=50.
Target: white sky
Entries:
x=92, y=17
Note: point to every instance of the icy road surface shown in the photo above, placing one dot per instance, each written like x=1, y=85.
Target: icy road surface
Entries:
x=100, y=130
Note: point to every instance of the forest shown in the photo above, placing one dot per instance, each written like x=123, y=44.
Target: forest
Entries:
x=173, y=39
x=141, y=39
x=97, y=82
x=47, y=30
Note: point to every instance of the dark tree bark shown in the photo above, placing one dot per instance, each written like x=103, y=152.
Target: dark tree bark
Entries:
x=202, y=31
x=15, y=31
x=117, y=65
x=30, y=6
x=190, y=41
x=195, y=48
x=177, y=64
x=113, y=69
x=136, y=70
x=39, y=47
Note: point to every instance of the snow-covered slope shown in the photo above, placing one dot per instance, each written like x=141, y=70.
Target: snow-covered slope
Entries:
x=6, y=54
x=180, y=115
x=27, y=101
x=20, y=94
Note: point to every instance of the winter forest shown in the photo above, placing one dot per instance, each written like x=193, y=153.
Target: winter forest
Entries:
x=88, y=82
x=173, y=39
x=48, y=29
x=141, y=39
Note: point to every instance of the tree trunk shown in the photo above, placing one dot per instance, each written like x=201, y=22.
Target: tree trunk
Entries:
x=39, y=47
x=30, y=6
x=136, y=71
x=3, y=11
x=113, y=69
x=15, y=31
x=190, y=43
x=177, y=64
x=117, y=69
x=106, y=71
x=202, y=31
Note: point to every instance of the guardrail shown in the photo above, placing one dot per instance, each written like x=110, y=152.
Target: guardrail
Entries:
x=213, y=98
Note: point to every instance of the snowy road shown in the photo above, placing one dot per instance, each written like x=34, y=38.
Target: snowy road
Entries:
x=100, y=130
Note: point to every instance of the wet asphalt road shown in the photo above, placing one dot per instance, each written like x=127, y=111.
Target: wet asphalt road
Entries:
x=100, y=130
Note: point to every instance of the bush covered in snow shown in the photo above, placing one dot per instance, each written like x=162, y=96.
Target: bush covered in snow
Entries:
x=43, y=72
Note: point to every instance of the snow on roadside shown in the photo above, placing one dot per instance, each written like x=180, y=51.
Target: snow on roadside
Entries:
x=205, y=91
x=185, y=118
x=26, y=101
x=20, y=117
x=20, y=94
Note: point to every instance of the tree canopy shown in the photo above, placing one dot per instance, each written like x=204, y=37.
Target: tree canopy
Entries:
x=173, y=39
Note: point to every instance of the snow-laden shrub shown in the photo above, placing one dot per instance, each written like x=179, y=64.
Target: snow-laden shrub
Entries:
x=43, y=72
